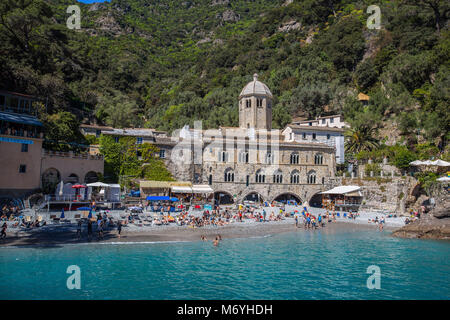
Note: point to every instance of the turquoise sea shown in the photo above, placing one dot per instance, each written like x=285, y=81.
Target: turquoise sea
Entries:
x=320, y=264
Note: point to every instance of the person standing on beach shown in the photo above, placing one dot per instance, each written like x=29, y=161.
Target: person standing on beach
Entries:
x=3, y=233
x=119, y=228
x=89, y=229
x=79, y=229
x=296, y=221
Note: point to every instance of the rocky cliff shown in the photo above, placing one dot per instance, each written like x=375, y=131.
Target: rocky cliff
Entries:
x=435, y=225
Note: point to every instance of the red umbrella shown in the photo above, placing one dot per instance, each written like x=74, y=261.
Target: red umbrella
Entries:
x=78, y=186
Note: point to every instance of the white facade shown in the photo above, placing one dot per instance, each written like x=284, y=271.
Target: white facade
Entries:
x=335, y=121
x=333, y=137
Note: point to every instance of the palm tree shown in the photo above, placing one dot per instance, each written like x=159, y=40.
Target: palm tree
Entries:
x=361, y=138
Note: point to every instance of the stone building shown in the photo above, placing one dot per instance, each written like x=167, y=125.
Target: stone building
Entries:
x=252, y=161
x=249, y=162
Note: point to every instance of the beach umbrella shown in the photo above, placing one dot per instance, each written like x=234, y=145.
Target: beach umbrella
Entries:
x=441, y=163
x=444, y=179
x=78, y=186
x=62, y=213
x=83, y=208
x=90, y=214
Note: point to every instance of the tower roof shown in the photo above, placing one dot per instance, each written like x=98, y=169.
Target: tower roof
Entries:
x=255, y=87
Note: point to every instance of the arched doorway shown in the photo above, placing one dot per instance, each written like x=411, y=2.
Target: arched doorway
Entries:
x=288, y=198
x=253, y=197
x=50, y=178
x=73, y=178
x=91, y=177
x=223, y=197
x=316, y=201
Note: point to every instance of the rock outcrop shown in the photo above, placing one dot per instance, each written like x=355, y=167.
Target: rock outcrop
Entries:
x=435, y=225
x=228, y=16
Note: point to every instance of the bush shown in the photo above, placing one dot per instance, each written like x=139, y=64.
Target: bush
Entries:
x=403, y=157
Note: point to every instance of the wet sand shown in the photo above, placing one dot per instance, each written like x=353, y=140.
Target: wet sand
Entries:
x=49, y=236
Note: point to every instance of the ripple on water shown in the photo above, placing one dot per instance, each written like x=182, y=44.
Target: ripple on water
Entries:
x=299, y=265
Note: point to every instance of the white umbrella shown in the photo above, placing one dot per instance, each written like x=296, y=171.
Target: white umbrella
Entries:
x=441, y=163
x=444, y=179
x=98, y=184
x=416, y=163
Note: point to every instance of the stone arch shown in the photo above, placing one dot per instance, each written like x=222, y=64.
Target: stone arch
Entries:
x=49, y=179
x=73, y=178
x=253, y=196
x=316, y=200
x=91, y=177
x=223, y=197
x=285, y=196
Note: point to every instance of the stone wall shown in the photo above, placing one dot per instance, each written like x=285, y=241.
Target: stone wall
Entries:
x=396, y=194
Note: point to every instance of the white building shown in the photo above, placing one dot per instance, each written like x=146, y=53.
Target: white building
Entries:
x=328, y=130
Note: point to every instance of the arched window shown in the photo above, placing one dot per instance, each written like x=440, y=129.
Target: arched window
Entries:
x=295, y=158
x=311, y=177
x=229, y=175
x=259, y=102
x=318, y=158
x=243, y=157
x=269, y=158
x=223, y=156
x=295, y=177
x=278, y=176
x=248, y=103
x=260, y=177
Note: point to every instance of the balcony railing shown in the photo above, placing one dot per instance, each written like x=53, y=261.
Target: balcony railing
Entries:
x=70, y=154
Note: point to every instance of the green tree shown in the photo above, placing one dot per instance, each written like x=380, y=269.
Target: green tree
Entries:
x=361, y=138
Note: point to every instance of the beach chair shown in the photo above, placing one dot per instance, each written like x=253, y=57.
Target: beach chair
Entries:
x=27, y=218
x=345, y=215
x=338, y=214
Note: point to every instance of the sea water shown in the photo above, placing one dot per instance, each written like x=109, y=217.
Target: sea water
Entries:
x=321, y=264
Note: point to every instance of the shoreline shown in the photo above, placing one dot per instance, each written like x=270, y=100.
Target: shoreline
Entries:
x=168, y=234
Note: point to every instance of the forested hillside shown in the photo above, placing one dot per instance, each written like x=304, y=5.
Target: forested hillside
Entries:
x=165, y=63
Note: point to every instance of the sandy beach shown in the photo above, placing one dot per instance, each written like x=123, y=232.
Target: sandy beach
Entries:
x=60, y=235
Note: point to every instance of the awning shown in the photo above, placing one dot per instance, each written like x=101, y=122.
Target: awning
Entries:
x=181, y=189
x=20, y=118
x=342, y=190
x=154, y=184
x=439, y=163
x=98, y=184
x=161, y=198
x=202, y=189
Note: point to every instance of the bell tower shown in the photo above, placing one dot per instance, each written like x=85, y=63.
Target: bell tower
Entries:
x=255, y=106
